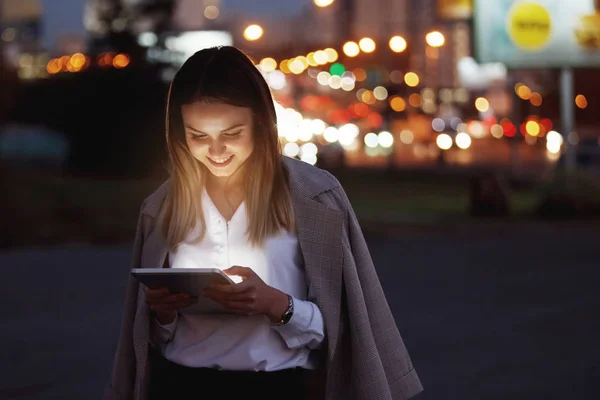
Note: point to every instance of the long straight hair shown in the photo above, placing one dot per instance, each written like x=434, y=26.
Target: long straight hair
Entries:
x=225, y=75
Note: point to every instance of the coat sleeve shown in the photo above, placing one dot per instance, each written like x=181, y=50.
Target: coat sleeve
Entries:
x=122, y=381
x=382, y=365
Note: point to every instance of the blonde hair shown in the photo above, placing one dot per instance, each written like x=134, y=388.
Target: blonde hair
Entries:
x=225, y=74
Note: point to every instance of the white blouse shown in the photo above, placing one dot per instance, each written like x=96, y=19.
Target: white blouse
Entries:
x=234, y=342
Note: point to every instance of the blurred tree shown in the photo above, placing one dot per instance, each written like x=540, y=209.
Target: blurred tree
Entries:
x=113, y=24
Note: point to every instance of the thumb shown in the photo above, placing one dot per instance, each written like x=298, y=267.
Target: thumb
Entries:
x=240, y=271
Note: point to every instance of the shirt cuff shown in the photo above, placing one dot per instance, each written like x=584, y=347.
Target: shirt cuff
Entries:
x=165, y=332
x=305, y=326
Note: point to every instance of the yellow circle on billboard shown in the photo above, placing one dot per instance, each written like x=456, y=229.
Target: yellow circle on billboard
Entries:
x=529, y=25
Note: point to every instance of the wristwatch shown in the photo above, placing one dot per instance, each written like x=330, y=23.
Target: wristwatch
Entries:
x=287, y=314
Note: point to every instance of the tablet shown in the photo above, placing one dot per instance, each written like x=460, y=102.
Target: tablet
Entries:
x=185, y=280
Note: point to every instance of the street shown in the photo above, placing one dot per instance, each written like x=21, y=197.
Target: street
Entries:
x=510, y=315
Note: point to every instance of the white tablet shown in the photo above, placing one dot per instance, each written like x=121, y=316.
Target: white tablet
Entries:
x=185, y=280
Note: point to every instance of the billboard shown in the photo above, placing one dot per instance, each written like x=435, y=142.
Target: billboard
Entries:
x=538, y=33
x=455, y=9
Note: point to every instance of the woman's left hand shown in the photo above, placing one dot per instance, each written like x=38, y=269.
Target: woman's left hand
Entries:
x=249, y=297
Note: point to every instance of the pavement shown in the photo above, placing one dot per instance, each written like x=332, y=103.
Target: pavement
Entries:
x=503, y=314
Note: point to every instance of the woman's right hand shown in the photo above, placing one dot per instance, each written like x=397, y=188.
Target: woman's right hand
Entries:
x=165, y=304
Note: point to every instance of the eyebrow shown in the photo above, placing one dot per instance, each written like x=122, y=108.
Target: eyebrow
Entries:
x=224, y=130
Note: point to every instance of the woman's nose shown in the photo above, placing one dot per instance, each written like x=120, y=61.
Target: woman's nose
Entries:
x=217, y=148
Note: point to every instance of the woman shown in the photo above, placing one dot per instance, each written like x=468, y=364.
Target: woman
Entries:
x=309, y=319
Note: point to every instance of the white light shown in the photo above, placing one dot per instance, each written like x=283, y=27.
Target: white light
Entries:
x=407, y=137
x=385, y=139
x=438, y=125
x=147, y=39
x=291, y=135
x=291, y=149
x=309, y=158
x=335, y=82
x=331, y=134
x=308, y=148
x=350, y=130
x=348, y=134
x=380, y=93
x=305, y=130
x=187, y=43
x=371, y=140
x=553, y=147
x=276, y=79
x=443, y=141
x=323, y=78
x=318, y=126
x=348, y=84
x=554, y=136
x=463, y=140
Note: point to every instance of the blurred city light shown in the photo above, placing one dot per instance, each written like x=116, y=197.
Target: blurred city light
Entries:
x=398, y=44
x=581, y=101
x=211, y=12
x=435, y=39
x=463, y=140
x=386, y=140
x=482, y=104
x=323, y=3
x=367, y=45
x=536, y=99
x=253, y=32
x=351, y=49
x=411, y=79
x=444, y=141
x=371, y=140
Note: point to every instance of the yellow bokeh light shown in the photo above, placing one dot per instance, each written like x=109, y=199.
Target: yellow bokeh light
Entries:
x=351, y=49
x=332, y=55
x=398, y=104
x=253, y=32
x=532, y=128
x=323, y=3
x=368, y=97
x=536, y=99
x=398, y=44
x=268, y=64
x=435, y=39
x=581, y=101
x=297, y=66
x=482, y=104
x=524, y=92
x=77, y=60
x=411, y=79
x=367, y=45
x=321, y=57
x=284, y=66
x=310, y=57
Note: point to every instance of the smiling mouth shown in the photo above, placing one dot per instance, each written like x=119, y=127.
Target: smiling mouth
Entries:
x=220, y=162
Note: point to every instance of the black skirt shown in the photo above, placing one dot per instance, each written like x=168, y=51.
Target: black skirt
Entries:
x=171, y=381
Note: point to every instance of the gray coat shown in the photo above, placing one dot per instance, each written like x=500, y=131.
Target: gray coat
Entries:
x=364, y=357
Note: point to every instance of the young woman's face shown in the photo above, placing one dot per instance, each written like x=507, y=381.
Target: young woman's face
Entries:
x=219, y=135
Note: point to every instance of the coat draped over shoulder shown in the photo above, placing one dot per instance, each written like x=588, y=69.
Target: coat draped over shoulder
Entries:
x=364, y=357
